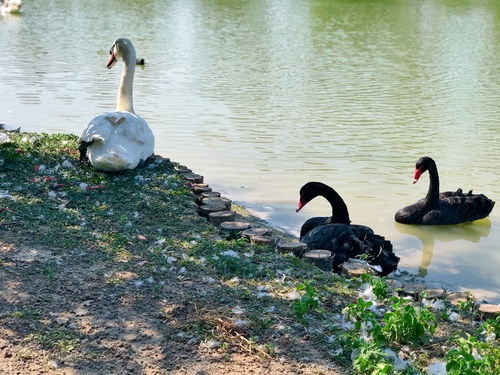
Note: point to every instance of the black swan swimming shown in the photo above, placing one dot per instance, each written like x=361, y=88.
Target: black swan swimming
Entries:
x=336, y=233
x=450, y=207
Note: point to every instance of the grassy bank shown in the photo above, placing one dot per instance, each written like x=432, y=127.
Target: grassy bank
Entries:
x=101, y=272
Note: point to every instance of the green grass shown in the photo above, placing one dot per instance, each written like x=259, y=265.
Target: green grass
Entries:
x=64, y=341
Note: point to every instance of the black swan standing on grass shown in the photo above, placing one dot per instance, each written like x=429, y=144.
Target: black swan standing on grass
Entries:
x=442, y=208
x=338, y=235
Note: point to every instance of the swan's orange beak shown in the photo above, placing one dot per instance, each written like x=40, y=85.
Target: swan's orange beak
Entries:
x=417, y=175
x=112, y=61
x=300, y=205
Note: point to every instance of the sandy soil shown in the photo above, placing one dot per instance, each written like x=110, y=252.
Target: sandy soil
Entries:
x=60, y=314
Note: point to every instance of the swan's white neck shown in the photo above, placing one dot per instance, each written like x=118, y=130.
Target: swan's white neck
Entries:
x=124, y=101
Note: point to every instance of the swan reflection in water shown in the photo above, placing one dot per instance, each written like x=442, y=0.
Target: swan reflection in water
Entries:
x=428, y=234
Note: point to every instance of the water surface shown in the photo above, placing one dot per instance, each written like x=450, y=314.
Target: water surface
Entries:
x=263, y=96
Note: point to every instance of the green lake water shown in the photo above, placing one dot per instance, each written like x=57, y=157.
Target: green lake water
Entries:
x=263, y=96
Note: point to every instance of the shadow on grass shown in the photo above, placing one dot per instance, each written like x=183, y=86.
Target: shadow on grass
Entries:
x=125, y=276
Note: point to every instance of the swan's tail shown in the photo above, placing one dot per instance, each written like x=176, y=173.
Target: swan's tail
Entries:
x=112, y=162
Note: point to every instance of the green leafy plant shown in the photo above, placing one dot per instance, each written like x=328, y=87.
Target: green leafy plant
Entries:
x=407, y=324
x=61, y=339
x=468, y=307
x=372, y=360
x=378, y=284
x=308, y=301
x=359, y=313
x=473, y=357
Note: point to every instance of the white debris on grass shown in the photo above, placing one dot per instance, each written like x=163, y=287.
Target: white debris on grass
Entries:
x=138, y=282
x=62, y=207
x=52, y=194
x=399, y=363
x=293, y=295
x=210, y=344
x=270, y=309
x=111, y=212
x=437, y=368
x=171, y=260
x=83, y=186
x=150, y=280
x=237, y=310
x=53, y=365
x=262, y=295
x=182, y=270
x=208, y=279
x=453, y=317
x=161, y=241
x=336, y=353
x=4, y=138
x=241, y=323
x=67, y=164
x=136, y=216
x=5, y=195
x=230, y=253
x=139, y=178
x=366, y=292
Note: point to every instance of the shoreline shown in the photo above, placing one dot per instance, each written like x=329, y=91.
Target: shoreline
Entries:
x=103, y=272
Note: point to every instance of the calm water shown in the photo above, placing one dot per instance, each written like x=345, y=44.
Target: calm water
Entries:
x=263, y=96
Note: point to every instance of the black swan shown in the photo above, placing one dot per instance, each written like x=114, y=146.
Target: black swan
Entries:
x=336, y=233
x=450, y=207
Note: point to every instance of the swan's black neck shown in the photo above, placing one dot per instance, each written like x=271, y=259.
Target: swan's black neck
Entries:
x=432, y=196
x=339, y=208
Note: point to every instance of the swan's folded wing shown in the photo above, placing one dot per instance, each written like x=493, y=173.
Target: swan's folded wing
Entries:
x=134, y=128
x=98, y=129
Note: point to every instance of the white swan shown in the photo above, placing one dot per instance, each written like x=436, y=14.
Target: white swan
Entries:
x=10, y=6
x=115, y=141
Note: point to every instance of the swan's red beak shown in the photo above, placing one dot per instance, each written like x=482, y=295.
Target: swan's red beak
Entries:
x=112, y=61
x=417, y=175
x=300, y=205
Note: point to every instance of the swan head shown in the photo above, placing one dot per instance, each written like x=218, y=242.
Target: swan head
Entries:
x=307, y=193
x=119, y=50
x=421, y=166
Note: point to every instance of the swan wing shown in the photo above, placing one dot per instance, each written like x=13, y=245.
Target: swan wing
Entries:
x=98, y=129
x=457, y=207
x=350, y=241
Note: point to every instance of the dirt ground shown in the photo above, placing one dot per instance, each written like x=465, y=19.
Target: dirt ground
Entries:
x=69, y=319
